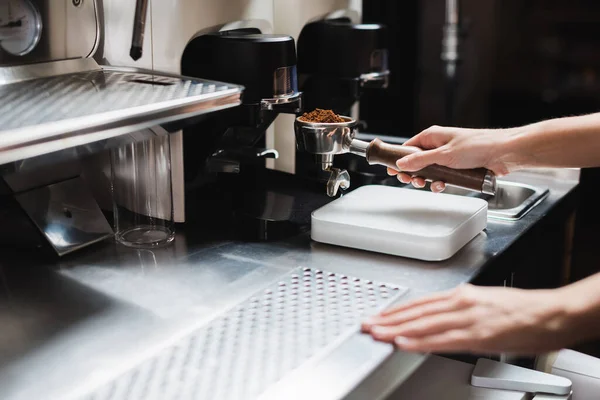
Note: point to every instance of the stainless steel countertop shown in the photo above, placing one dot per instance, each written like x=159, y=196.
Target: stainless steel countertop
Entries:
x=66, y=328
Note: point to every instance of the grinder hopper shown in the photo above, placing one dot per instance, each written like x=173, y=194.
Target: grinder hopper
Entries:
x=325, y=140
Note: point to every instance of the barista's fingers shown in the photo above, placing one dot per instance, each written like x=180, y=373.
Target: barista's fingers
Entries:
x=432, y=137
x=404, y=178
x=402, y=318
x=414, y=141
x=441, y=296
x=422, y=159
x=424, y=327
x=457, y=340
x=438, y=187
x=418, y=182
x=392, y=172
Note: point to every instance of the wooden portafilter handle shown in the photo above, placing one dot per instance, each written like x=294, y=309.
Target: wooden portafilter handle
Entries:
x=479, y=179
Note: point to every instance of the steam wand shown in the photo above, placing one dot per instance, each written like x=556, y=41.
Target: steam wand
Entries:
x=139, y=26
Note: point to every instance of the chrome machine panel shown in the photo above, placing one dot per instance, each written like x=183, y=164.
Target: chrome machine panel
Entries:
x=68, y=29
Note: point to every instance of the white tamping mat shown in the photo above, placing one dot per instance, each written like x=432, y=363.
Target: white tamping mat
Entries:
x=403, y=222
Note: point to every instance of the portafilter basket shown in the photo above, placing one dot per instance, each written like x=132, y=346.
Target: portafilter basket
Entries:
x=325, y=140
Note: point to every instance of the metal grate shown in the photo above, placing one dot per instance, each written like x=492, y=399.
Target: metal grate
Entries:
x=47, y=114
x=254, y=345
x=64, y=97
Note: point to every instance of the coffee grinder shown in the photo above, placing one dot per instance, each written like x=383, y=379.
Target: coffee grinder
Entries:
x=224, y=154
x=357, y=57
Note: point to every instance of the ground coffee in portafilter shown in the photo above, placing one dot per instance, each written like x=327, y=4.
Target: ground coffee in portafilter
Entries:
x=322, y=117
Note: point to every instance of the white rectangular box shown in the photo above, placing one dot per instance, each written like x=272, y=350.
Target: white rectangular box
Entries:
x=403, y=222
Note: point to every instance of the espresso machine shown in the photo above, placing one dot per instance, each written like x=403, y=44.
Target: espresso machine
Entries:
x=220, y=181
x=73, y=88
x=221, y=151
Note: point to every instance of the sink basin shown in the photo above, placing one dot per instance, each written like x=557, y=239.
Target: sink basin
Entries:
x=511, y=202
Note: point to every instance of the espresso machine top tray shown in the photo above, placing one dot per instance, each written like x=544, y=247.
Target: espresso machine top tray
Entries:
x=53, y=106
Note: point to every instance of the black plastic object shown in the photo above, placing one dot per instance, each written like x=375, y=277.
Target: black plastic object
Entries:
x=265, y=65
x=334, y=59
x=244, y=57
x=342, y=49
x=267, y=215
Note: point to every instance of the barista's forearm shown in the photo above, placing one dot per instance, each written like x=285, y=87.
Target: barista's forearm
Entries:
x=572, y=142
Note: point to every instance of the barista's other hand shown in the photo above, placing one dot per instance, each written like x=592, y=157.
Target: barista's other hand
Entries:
x=482, y=320
x=457, y=148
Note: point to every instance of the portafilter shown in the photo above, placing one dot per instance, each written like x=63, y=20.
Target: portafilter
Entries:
x=325, y=140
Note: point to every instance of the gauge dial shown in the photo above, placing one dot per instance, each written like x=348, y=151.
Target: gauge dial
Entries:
x=20, y=26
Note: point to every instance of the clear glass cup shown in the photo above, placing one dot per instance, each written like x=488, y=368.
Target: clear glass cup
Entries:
x=142, y=193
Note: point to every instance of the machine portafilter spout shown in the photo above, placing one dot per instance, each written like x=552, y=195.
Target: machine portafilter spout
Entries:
x=325, y=140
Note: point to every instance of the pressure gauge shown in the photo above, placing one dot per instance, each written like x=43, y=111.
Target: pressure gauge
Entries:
x=20, y=26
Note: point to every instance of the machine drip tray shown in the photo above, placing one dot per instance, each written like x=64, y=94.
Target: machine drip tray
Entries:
x=241, y=354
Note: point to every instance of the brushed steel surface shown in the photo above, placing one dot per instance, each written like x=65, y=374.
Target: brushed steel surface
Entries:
x=512, y=200
x=75, y=325
x=19, y=73
x=490, y=184
x=49, y=114
x=76, y=155
x=83, y=36
x=286, y=97
x=299, y=318
x=325, y=138
x=67, y=215
x=71, y=96
x=285, y=81
x=285, y=104
x=338, y=178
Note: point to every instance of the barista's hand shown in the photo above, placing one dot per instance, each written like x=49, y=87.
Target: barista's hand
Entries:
x=457, y=148
x=482, y=320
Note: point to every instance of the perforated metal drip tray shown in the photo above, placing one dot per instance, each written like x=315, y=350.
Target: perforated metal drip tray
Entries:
x=53, y=106
x=256, y=344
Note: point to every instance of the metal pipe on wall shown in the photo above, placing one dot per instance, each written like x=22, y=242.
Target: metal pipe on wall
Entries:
x=450, y=56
